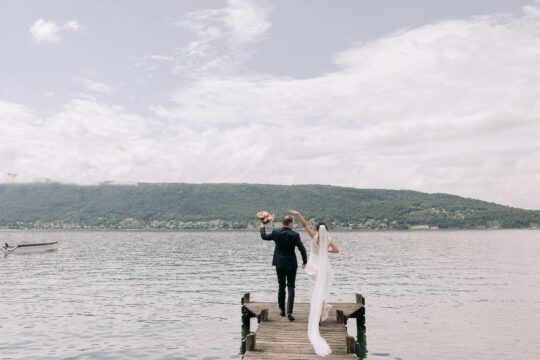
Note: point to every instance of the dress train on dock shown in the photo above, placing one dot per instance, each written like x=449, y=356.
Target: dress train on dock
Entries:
x=321, y=278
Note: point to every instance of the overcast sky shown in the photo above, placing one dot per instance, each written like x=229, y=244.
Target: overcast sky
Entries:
x=435, y=96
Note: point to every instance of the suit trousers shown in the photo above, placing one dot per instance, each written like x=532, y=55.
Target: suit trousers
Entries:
x=286, y=277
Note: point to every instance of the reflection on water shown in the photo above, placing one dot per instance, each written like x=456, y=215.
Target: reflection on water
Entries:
x=165, y=295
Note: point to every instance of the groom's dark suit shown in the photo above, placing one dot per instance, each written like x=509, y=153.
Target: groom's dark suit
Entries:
x=285, y=262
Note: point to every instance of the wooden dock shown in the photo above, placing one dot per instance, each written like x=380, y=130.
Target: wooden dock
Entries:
x=279, y=338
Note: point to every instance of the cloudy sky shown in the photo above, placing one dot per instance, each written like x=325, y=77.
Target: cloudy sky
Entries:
x=435, y=96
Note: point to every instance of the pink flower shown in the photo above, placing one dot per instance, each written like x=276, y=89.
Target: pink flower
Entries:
x=265, y=216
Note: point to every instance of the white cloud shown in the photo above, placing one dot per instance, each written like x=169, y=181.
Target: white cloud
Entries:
x=94, y=86
x=45, y=31
x=246, y=21
x=161, y=57
x=222, y=36
x=85, y=141
x=72, y=25
x=449, y=107
x=50, y=31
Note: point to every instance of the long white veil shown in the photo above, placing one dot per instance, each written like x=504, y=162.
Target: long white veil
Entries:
x=319, y=294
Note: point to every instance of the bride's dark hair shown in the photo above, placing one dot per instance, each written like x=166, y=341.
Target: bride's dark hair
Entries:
x=319, y=223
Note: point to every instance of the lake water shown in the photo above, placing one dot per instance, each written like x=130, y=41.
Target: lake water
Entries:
x=176, y=295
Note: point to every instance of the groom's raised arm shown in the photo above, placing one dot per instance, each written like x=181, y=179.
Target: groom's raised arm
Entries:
x=265, y=236
x=302, y=249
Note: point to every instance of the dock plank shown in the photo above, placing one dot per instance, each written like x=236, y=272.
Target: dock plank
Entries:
x=278, y=338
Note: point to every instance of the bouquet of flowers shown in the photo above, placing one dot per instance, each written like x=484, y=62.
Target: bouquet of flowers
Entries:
x=265, y=217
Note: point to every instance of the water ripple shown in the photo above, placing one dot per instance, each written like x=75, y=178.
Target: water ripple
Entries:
x=164, y=295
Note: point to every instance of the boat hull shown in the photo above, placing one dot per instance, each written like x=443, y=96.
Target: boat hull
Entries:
x=32, y=248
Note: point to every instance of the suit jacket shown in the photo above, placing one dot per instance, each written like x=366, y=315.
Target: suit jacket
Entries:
x=286, y=240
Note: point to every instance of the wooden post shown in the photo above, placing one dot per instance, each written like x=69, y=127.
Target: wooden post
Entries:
x=360, y=319
x=246, y=316
x=361, y=340
x=250, y=342
x=340, y=317
x=263, y=316
x=351, y=344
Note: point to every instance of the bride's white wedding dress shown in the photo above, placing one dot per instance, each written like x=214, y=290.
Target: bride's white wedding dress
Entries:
x=321, y=278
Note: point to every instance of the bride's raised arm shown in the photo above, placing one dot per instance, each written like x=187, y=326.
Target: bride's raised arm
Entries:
x=332, y=247
x=304, y=223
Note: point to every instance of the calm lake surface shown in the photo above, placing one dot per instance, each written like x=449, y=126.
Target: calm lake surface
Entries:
x=176, y=295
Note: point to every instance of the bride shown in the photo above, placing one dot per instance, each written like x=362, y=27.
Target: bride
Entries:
x=321, y=277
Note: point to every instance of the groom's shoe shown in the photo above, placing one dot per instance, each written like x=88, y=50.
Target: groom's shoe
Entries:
x=282, y=313
x=290, y=317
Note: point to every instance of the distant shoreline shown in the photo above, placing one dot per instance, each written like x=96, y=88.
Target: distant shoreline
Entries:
x=232, y=207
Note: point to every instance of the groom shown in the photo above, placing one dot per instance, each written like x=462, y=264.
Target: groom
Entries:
x=285, y=260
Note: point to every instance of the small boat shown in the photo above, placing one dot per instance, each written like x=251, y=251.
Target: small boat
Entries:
x=30, y=248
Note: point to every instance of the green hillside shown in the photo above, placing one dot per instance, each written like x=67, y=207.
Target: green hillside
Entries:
x=233, y=206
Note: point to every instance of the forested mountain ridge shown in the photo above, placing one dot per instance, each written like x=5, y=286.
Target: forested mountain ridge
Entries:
x=233, y=206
